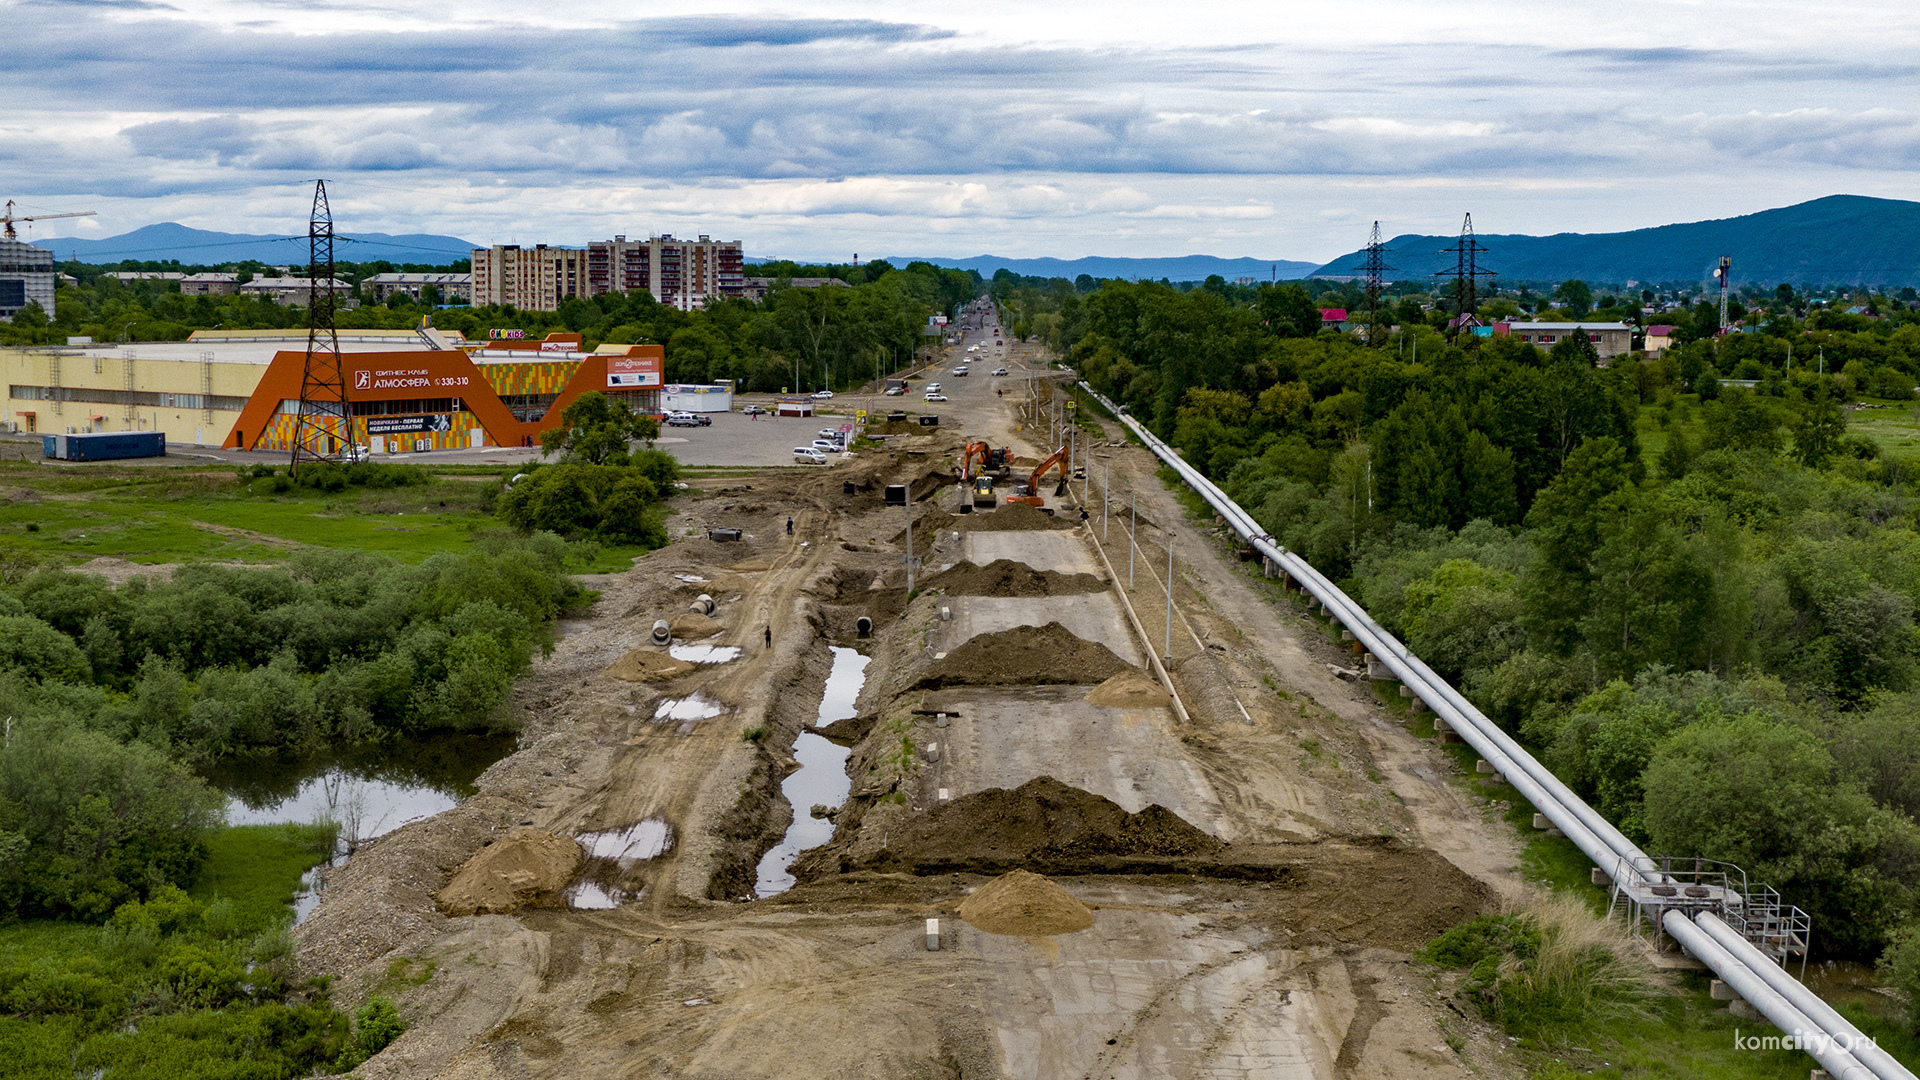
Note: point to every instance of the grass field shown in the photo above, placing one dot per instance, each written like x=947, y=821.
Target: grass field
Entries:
x=1893, y=425
x=169, y=515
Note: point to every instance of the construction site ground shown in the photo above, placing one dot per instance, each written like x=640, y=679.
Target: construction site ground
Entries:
x=1258, y=876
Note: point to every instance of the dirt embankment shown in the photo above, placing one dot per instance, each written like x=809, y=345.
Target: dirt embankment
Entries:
x=1024, y=656
x=1025, y=904
x=1013, y=517
x=1004, y=577
x=525, y=868
x=1043, y=825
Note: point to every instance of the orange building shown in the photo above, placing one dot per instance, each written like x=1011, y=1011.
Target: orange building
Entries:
x=503, y=394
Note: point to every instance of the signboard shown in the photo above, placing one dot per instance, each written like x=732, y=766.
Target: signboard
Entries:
x=557, y=346
x=407, y=378
x=506, y=335
x=408, y=425
x=633, y=372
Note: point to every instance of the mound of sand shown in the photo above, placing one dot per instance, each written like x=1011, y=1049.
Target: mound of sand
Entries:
x=1131, y=689
x=1023, y=904
x=1017, y=517
x=526, y=867
x=1004, y=577
x=693, y=626
x=1024, y=656
x=645, y=665
x=1043, y=825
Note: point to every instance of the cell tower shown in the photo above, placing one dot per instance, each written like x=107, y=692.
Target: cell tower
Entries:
x=1374, y=269
x=1466, y=275
x=1723, y=274
x=323, y=430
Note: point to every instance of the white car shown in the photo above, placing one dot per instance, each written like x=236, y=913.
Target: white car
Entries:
x=827, y=446
x=933, y=388
x=807, y=455
x=934, y=397
x=822, y=395
x=896, y=391
x=999, y=371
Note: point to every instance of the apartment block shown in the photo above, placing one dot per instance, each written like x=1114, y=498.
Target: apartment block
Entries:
x=531, y=278
x=682, y=273
x=26, y=276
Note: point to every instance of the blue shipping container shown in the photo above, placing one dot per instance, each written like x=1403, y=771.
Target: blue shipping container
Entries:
x=104, y=445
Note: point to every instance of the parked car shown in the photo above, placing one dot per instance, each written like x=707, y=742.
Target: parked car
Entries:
x=999, y=371
x=754, y=410
x=934, y=397
x=896, y=391
x=827, y=446
x=933, y=388
x=687, y=419
x=959, y=373
x=807, y=455
x=822, y=395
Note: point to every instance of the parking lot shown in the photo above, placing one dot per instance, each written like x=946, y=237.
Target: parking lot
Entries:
x=735, y=439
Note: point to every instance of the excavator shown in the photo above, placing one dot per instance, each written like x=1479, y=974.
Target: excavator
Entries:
x=988, y=459
x=1061, y=459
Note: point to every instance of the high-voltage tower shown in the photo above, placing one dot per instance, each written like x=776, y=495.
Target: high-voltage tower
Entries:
x=1466, y=274
x=1374, y=269
x=1723, y=274
x=323, y=428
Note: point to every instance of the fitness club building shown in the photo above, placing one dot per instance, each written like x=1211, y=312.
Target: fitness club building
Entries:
x=502, y=394
x=406, y=391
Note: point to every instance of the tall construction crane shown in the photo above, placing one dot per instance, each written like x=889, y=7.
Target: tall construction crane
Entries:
x=10, y=219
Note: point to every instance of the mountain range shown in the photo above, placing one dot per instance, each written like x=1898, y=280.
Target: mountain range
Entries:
x=1181, y=268
x=1841, y=239
x=170, y=240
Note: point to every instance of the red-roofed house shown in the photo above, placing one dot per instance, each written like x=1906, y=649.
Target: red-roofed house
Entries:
x=1332, y=317
x=1659, y=337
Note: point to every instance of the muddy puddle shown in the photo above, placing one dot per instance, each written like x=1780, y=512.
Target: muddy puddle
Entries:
x=704, y=654
x=611, y=857
x=367, y=792
x=683, y=709
x=821, y=778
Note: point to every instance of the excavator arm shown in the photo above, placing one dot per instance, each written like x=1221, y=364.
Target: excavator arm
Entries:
x=1061, y=459
x=976, y=451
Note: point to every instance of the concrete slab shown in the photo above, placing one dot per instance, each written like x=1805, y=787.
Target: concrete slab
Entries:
x=1092, y=616
x=1006, y=736
x=1060, y=550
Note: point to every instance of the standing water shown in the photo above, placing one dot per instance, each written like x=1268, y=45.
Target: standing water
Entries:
x=820, y=779
x=367, y=791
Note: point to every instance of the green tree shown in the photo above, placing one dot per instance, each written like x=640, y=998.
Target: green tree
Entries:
x=1288, y=311
x=596, y=430
x=1576, y=296
x=1567, y=526
x=1818, y=427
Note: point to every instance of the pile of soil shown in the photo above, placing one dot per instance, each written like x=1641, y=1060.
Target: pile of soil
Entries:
x=1043, y=825
x=1131, y=689
x=693, y=626
x=526, y=867
x=1024, y=656
x=1015, y=517
x=645, y=665
x=1023, y=904
x=1004, y=577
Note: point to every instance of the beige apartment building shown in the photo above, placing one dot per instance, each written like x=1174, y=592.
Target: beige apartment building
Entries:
x=682, y=273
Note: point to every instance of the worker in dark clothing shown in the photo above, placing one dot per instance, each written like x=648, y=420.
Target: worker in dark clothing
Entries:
x=789, y=526
x=769, y=637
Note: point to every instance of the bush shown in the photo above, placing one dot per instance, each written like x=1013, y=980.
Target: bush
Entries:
x=1550, y=971
x=611, y=501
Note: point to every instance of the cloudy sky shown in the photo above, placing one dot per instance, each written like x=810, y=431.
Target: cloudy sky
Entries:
x=820, y=128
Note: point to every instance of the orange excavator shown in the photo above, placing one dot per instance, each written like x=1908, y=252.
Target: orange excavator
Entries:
x=988, y=459
x=1062, y=460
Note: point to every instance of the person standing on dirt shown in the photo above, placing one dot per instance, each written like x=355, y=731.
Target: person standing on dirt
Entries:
x=789, y=526
x=769, y=637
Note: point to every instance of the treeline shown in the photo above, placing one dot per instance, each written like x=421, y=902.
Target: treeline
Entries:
x=115, y=694
x=1714, y=643
x=799, y=338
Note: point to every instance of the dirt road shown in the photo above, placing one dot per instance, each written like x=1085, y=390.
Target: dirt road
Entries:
x=1257, y=877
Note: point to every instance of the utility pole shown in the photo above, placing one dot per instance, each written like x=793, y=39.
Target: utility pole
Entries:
x=1375, y=268
x=909, y=540
x=1106, y=501
x=1466, y=274
x=323, y=428
x=1132, y=531
x=1168, y=537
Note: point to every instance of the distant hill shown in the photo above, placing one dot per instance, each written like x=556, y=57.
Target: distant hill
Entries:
x=171, y=240
x=1182, y=268
x=1841, y=239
